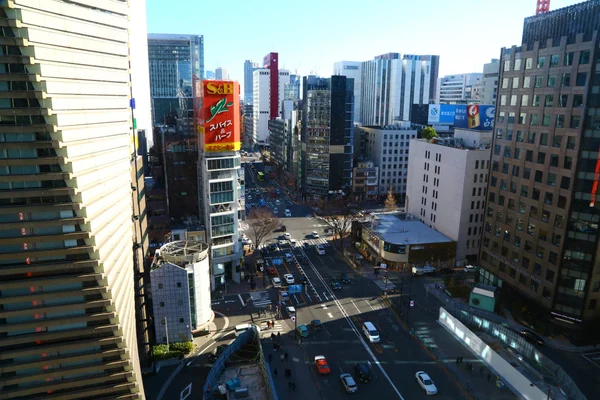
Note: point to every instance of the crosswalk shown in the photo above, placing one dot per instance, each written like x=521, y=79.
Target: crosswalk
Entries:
x=260, y=299
x=266, y=332
x=311, y=242
x=384, y=286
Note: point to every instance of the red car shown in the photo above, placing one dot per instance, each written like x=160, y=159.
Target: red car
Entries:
x=322, y=365
x=271, y=270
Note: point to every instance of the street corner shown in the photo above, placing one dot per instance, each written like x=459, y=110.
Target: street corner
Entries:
x=229, y=304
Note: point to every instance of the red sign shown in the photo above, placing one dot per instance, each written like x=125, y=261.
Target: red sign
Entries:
x=219, y=119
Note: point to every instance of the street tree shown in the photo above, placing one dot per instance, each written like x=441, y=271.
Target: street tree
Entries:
x=338, y=215
x=390, y=202
x=428, y=133
x=261, y=222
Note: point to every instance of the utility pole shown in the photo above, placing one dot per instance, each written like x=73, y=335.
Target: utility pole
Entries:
x=167, y=332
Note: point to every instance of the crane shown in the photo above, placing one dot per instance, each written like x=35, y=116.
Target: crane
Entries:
x=542, y=6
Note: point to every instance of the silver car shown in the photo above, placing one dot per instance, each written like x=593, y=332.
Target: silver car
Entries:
x=348, y=383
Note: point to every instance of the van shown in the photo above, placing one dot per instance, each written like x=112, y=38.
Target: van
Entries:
x=371, y=332
x=427, y=269
x=241, y=328
x=289, y=257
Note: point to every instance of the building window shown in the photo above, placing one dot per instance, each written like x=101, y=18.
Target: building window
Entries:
x=551, y=80
x=178, y=284
x=565, y=80
x=533, y=120
x=513, y=100
x=541, y=61
x=515, y=82
x=562, y=100
x=162, y=304
x=584, y=57
x=507, y=65
x=581, y=78
x=569, y=58
x=529, y=63
x=549, y=100
x=525, y=100
x=538, y=82
x=575, y=121
x=554, y=60
x=577, y=101
x=160, y=285
x=546, y=120
x=517, y=64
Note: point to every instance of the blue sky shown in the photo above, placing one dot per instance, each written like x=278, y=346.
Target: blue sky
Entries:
x=310, y=35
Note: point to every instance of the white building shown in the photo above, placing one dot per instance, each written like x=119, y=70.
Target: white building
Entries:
x=262, y=102
x=352, y=69
x=221, y=74
x=390, y=85
x=458, y=89
x=221, y=200
x=180, y=283
x=447, y=184
x=491, y=71
x=387, y=147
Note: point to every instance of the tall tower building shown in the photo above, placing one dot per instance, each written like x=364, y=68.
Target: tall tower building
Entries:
x=271, y=62
x=249, y=68
x=391, y=85
x=221, y=74
x=67, y=291
x=540, y=236
x=353, y=70
x=491, y=71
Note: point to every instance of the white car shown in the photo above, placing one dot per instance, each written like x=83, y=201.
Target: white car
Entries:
x=348, y=383
x=289, y=279
x=293, y=242
x=276, y=282
x=287, y=236
x=426, y=383
x=282, y=243
x=277, y=202
x=315, y=234
x=320, y=250
x=470, y=268
x=288, y=213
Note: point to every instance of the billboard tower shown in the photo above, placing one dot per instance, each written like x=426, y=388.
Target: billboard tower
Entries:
x=543, y=6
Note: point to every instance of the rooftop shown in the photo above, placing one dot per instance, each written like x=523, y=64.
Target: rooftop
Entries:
x=402, y=228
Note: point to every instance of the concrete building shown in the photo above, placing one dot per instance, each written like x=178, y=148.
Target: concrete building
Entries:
x=391, y=84
x=221, y=74
x=249, y=68
x=447, y=187
x=402, y=242
x=353, y=70
x=264, y=100
x=67, y=285
x=541, y=226
x=180, y=276
x=388, y=147
x=459, y=88
x=283, y=141
x=327, y=135
x=491, y=72
x=291, y=90
x=365, y=181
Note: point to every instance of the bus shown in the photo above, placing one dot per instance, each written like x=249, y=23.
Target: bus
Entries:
x=261, y=176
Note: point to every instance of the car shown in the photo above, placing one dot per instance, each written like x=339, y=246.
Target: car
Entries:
x=335, y=285
x=288, y=213
x=276, y=282
x=316, y=324
x=272, y=247
x=293, y=242
x=314, y=234
x=469, y=268
x=249, y=197
x=303, y=330
x=348, y=383
x=322, y=366
x=424, y=270
x=271, y=270
x=345, y=279
x=284, y=297
x=275, y=211
x=277, y=202
x=532, y=337
x=289, y=279
x=363, y=372
x=246, y=241
x=282, y=242
x=426, y=383
x=287, y=236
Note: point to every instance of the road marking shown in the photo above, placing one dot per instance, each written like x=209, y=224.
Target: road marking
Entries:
x=323, y=306
x=326, y=298
x=185, y=393
x=377, y=348
x=355, y=307
x=242, y=300
x=367, y=301
x=330, y=315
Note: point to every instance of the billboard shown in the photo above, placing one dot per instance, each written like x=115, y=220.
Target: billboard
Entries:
x=441, y=114
x=474, y=116
x=219, y=122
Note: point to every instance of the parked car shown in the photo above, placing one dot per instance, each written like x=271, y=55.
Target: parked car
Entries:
x=289, y=279
x=426, y=383
x=348, y=383
x=532, y=337
x=303, y=330
x=276, y=282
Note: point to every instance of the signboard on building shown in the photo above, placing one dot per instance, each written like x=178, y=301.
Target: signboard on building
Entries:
x=219, y=122
x=474, y=116
x=441, y=114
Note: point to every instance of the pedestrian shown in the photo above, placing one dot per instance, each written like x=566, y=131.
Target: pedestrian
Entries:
x=273, y=336
x=286, y=356
x=288, y=372
x=489, y=377
x=289, y=385
x=270, y=357
x=273, y=323
x=293, y=387
x=275, y=373
x=461, y=359
x=281, y=357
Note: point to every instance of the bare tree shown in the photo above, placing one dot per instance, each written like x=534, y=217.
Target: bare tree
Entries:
x=338, y=215
x=261, y=222
x=390, y=201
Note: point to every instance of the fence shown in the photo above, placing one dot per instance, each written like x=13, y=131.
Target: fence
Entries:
x=495, y=326
x=251, y=336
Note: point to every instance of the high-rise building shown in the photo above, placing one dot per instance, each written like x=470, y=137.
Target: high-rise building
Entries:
x=352, y=69
x=458, y=89
x=265, y=97
x=176, y=63
x=327, y=144
x=271, y=63
x=391, y=85
x=249, y=68
x=541, y=222
x=491, y=71
x=221, y=74
x=447, y=184
x=67, y=284
x=291, y=90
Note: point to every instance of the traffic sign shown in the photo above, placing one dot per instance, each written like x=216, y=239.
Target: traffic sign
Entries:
x=412, y=303
x=293, y=318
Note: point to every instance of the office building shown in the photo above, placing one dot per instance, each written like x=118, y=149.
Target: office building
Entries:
x=447, y=185
x=249, y=68
x=283, y=132
x=221, y=74
x=176, y=63
x=327, y=144
x=352, y=69
x=209, y=75
x=391, y=84
x=541, y=223
x=365, y=181
x=459, y=88
x=387, y=147
x=67, y=284
x=266, y=96
x=271, y=63
x=180, y=277
x=491, y=71
x=291, y=90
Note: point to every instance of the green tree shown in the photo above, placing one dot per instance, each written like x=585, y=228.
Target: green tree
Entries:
x=429, y=133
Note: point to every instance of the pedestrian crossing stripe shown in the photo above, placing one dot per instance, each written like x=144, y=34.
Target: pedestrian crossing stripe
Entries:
x=383, y=286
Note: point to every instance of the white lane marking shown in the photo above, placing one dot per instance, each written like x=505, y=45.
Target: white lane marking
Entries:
x=330, y=315
x=323, y=306
x=326, y=298
x=242, y=300
x=367, y=301
x=297, y=302
x=307, y=295
x=351, y=324
x=355, y=306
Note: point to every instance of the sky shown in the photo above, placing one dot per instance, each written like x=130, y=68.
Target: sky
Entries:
x=311, y=35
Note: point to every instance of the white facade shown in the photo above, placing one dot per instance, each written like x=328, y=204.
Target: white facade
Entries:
x=284, y=81
x=221, y=74
x=447, y=186
x=388, y=149
x=352, y=69
x=261, y=106
x=458, y=89
x=491, y=71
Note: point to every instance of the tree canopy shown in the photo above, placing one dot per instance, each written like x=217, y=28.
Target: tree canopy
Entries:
x=429, y=133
